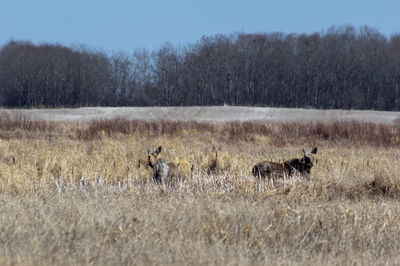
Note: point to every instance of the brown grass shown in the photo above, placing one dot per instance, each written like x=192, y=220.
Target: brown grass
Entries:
x=281, y=134
x=17, y=125
x=81, y=193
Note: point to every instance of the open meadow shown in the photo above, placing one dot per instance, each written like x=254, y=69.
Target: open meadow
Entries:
x=81, y=192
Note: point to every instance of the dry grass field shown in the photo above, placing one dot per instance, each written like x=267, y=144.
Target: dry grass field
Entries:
x=81, y=193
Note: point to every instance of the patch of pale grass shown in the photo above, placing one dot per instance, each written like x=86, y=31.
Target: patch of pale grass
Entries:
x=167, y=226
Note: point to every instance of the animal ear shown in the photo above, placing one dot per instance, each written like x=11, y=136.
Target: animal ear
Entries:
x=304, y=151
x=314, y=151
x=148, y=152
x=159, y=149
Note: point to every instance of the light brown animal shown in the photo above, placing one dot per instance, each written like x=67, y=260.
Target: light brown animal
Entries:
x=163, y=172
x=273, y=170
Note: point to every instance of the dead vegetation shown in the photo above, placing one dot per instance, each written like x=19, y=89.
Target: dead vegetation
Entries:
x=82, y=193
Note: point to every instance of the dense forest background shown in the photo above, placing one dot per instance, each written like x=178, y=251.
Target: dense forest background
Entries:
x=342, y=68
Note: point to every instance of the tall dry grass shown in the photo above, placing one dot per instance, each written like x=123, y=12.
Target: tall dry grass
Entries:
x=81, y=193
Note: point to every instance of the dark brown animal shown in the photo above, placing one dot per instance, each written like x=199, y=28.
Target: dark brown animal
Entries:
x=274, y=170
x=163, y=172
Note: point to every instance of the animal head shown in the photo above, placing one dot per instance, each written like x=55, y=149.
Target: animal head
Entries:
x=152, y=156
x=307, y=162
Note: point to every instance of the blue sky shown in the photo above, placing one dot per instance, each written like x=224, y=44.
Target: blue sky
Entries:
x=126, y=25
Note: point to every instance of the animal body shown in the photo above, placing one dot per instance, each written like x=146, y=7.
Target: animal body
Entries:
x=273, y=170
x=163, y=172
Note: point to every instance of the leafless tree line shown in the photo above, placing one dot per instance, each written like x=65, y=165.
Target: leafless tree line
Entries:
x=344, y=68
